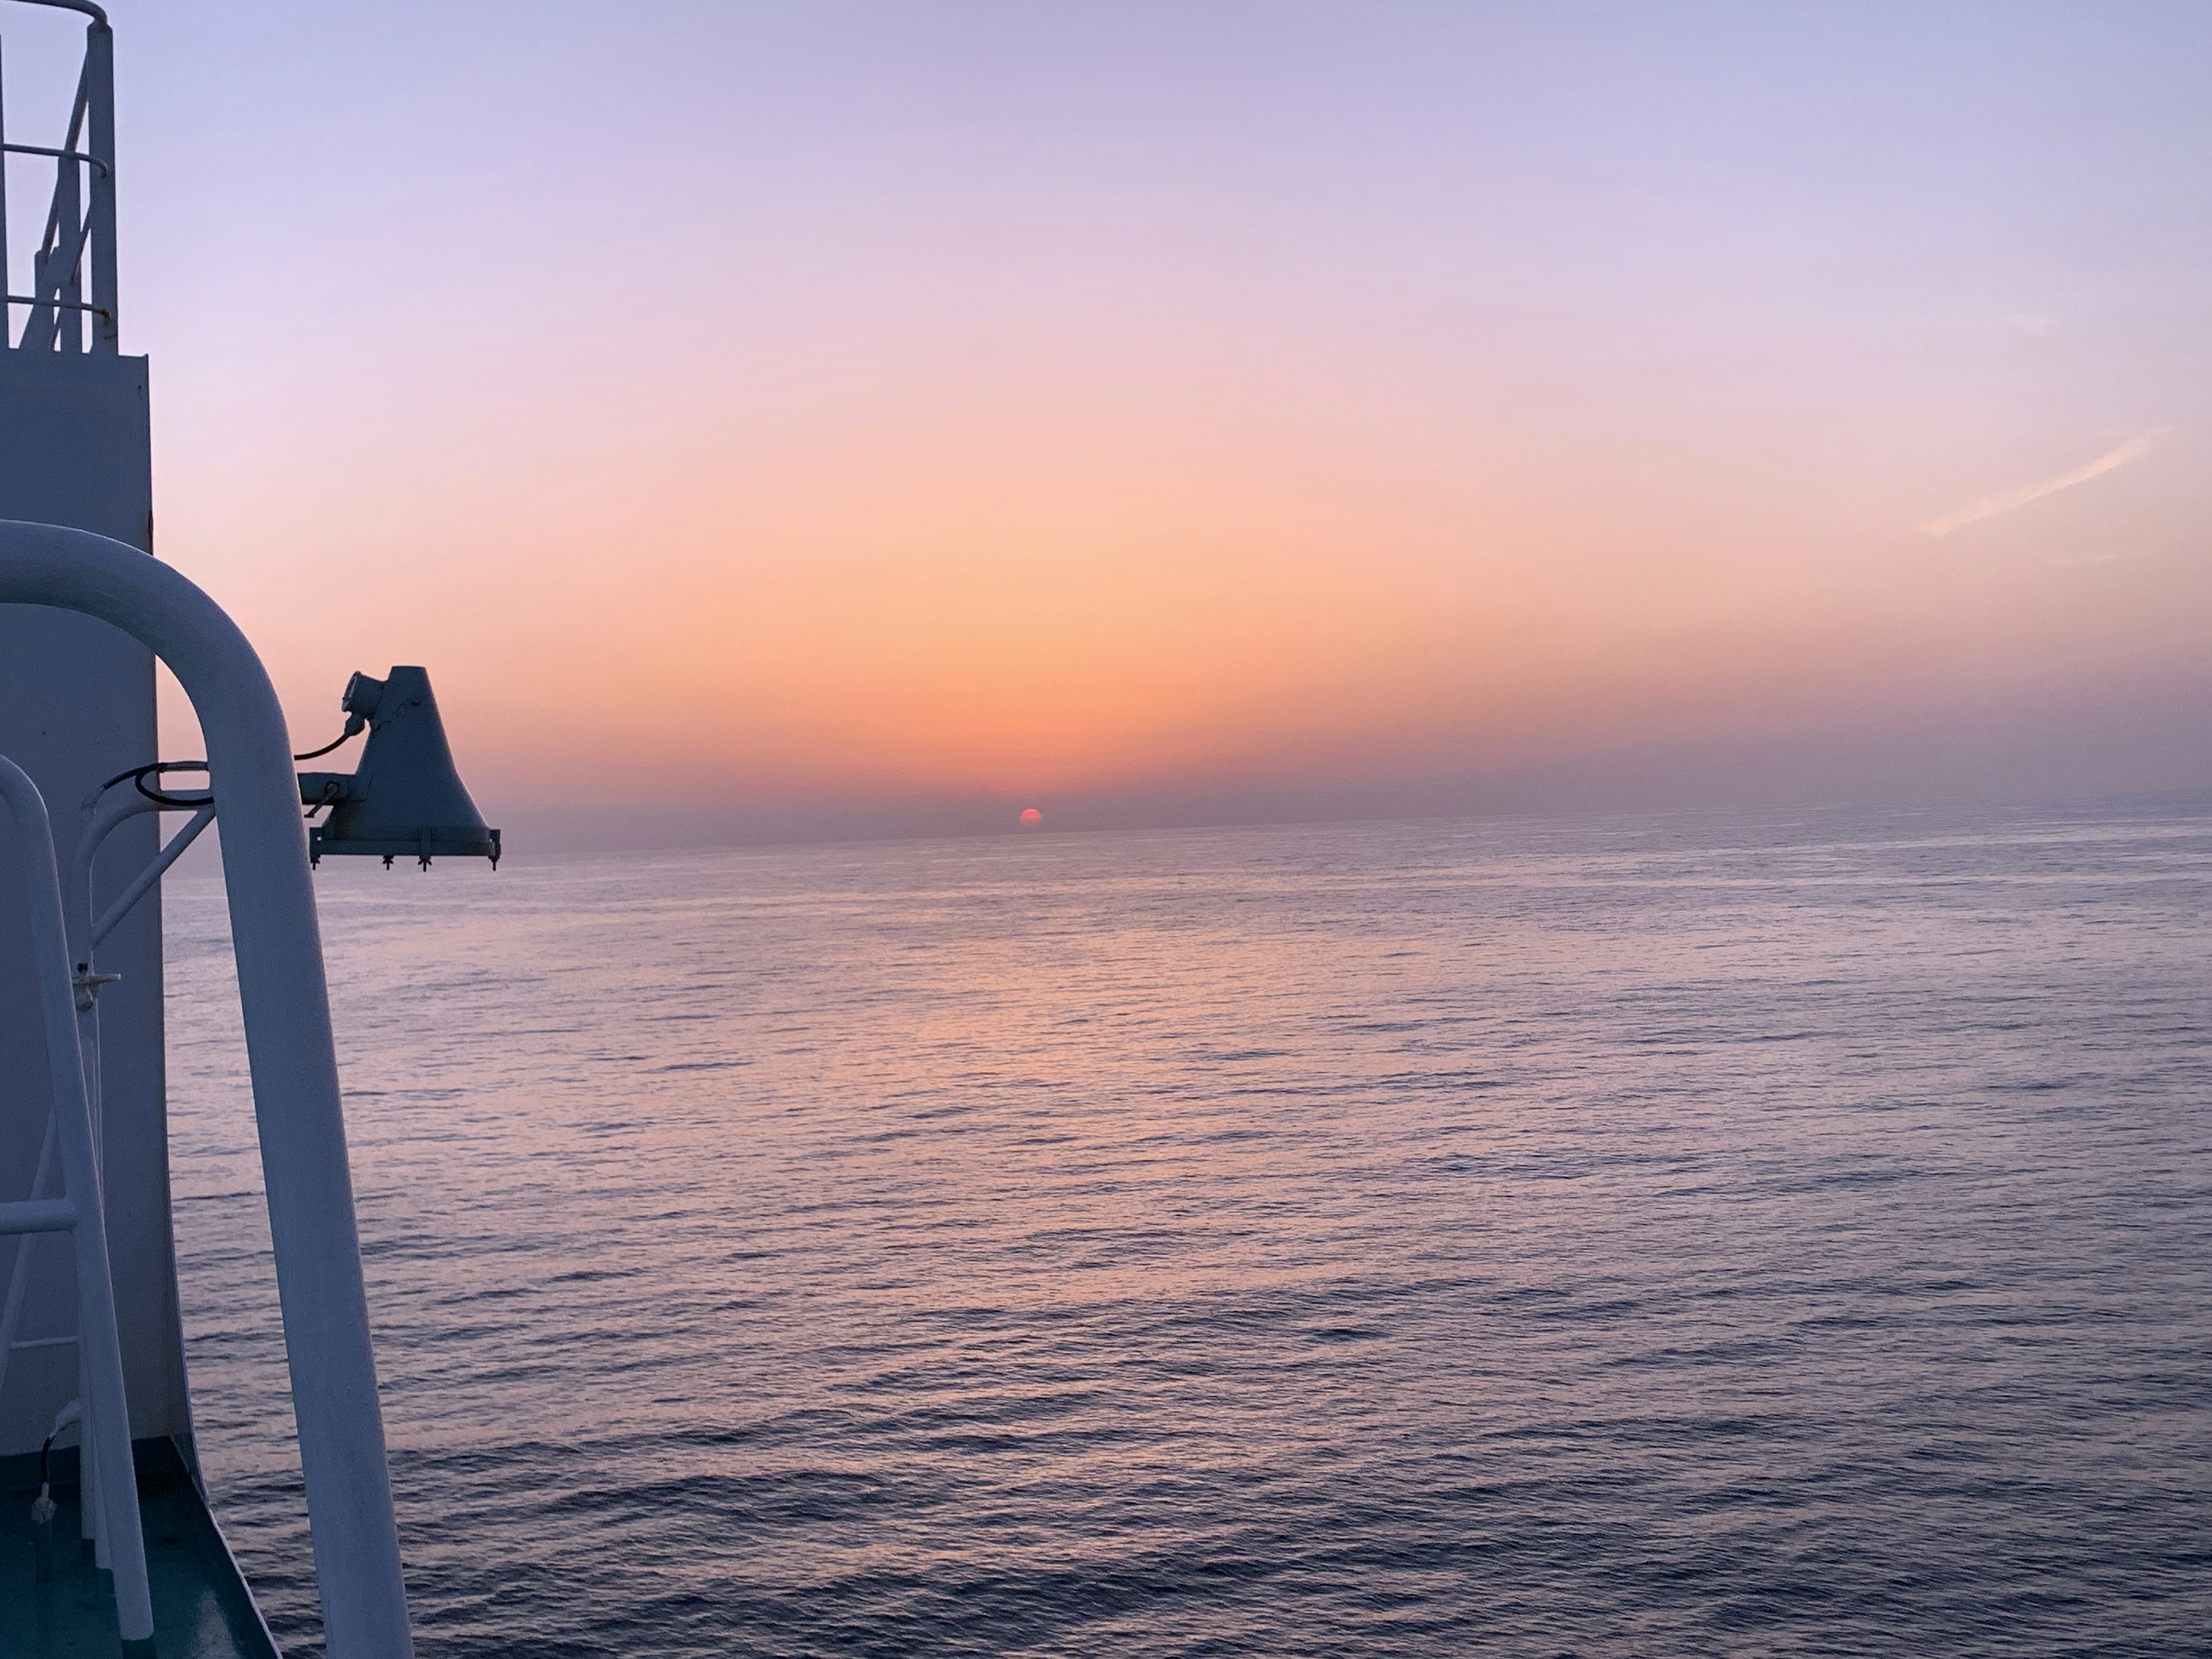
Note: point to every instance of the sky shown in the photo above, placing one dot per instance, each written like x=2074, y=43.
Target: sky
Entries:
x=789, y=420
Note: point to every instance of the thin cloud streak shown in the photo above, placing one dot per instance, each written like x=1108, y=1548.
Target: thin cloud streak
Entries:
x=2012, y=500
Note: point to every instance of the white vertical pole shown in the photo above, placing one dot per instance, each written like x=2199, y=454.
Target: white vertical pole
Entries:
x=68, y=204
x=100, y=93
x=92, y=1497
x=107, y=1415
x=7, y=312
x=76, y=904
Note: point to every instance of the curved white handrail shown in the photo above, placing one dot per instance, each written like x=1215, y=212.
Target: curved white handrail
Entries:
x=87, y=7
x=84, y=6
x=292, y=1060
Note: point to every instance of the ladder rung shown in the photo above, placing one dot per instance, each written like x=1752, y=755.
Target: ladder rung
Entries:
x=38, y=1215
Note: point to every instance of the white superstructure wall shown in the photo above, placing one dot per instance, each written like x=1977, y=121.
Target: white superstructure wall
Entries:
x=76, y=707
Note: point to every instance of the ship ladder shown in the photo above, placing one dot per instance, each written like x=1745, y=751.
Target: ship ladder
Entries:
x=111, y=1484
x=105, y=812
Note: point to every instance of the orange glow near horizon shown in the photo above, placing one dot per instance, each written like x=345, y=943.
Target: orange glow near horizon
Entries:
x=1056, y=611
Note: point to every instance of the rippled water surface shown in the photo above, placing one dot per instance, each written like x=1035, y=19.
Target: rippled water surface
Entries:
x=1688, y=1234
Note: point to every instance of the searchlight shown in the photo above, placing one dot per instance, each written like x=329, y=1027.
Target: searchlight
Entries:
x=406, y=798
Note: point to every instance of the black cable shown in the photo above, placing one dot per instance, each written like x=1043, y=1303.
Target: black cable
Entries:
x=350, y=733
x=138, y=776
x=154, y=766
x=161, y=799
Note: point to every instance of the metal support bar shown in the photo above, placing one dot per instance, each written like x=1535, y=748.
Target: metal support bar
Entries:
x=286, y=1003
x=57, y=304
x=64, y=266
x=38, y=1215
x=54, y=270
x=146, y=877
x=58, y=155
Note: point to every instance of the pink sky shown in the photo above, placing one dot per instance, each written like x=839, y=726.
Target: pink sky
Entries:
x=1172, y=411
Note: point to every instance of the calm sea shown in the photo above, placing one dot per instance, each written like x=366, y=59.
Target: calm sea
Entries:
x=1688, y=1234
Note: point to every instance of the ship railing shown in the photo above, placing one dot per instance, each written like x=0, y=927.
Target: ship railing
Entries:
x=104, y=813
x=111, y=1485
x=78, y=243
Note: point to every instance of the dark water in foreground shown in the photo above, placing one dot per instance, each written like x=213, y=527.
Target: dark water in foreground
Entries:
x=1688, y=1234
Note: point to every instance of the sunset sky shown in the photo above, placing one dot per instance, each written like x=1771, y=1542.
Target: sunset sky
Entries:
x=795, y=419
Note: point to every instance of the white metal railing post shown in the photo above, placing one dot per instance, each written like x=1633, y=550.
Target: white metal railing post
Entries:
x=86, y=931
x=99, y=144
x=291, y=1055
x=107, y=1436
x=92, y=1514
x=7, y=314
x=66, y=265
